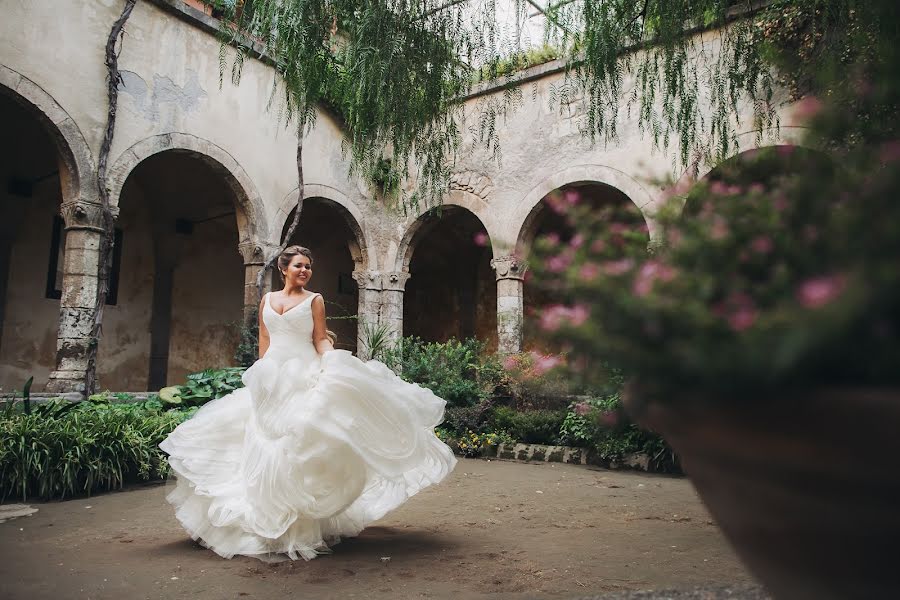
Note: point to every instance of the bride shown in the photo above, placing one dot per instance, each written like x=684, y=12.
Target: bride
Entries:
x=317, y=445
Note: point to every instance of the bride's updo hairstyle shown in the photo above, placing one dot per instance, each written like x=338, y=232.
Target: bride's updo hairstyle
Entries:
x=285, y=258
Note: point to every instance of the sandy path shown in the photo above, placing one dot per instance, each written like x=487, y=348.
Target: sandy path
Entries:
x=492, y=530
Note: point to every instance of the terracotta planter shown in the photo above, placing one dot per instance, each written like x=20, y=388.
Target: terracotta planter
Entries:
x=805, y=486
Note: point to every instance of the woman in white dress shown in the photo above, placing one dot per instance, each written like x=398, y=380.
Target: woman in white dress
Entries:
x=316, y=446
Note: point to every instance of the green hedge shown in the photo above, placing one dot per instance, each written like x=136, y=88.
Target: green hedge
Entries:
x=61, y=449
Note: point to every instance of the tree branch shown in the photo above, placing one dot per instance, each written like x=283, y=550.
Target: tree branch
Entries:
x=107, y=240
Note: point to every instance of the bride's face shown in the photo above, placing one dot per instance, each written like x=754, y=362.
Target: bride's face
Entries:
x=299, y=272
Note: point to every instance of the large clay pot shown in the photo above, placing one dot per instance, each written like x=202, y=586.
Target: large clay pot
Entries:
x=805, y=485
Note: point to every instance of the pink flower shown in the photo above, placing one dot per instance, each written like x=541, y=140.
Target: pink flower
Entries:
x=618, y=267
x=721, y=189
x=819, y=291
x=742, y=318
x=762, y=244
x=589, y=271
x=757, y=188
x=572, y=197
x=808, y=108
x=557, y=315
x=556, y=202
x=581, y=409
x=577, y=241
x=649, y=272
x=558, y=263
x=481, y=239
x=551, y=239
x=598, y=246
x=719, y=230
x=552, y=317
x=578, y=314
x=510, y=363
x=544, y=363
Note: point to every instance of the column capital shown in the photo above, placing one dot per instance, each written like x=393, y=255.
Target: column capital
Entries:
x=509, y=267
x=368, y=280
x=256, y=253
x=395, y=281
x=80, y=214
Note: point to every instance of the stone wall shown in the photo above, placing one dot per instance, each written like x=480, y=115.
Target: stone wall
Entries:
x=171, y=101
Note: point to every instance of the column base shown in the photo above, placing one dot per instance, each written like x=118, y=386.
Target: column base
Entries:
x=66, y=382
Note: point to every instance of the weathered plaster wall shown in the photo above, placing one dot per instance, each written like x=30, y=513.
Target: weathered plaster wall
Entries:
x=28, y=344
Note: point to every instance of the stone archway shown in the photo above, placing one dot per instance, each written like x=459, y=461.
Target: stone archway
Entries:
x=46, y=168
x=184, y=216
x=544, y=220
x=332, y=230
x=251, y=215
x=451, y=293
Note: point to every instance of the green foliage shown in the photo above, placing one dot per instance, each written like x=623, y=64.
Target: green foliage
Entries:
x=460, y=372
x=247, y=351
x=204, y=386
x=64, y=449
x=530, y=426
x=518, y=62
x=377, y=339
x=394, y=71
x=602, y=425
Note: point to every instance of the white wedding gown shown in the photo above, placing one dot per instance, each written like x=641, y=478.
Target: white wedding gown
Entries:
x=313, y=449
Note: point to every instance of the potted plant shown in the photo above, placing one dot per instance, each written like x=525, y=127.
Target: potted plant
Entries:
x=761, y=336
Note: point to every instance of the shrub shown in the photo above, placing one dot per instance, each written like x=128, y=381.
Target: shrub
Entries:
x=601, y=425
x=529, y=427
x=64, y=449
x=460, y=372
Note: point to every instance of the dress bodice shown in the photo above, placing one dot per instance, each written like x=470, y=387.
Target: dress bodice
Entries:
x=290, y=334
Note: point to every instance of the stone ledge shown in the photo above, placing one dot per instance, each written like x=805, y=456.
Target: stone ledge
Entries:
x=569, y=455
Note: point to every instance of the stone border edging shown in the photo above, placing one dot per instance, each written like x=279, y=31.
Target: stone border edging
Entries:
x=572, y=455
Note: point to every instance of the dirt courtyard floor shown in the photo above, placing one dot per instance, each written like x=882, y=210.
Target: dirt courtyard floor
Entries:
x=494, y=529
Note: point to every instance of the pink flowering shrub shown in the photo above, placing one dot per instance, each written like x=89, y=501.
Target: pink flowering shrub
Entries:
x=779, y=268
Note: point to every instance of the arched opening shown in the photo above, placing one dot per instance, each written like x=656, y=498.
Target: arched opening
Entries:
x=765, y=166
x=452, y=291
x=180, y=280
x=548, y=219
x=324, y=228
x=32, y=240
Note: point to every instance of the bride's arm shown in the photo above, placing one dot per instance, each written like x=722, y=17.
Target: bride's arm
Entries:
x=263, y=332
x=320, y=332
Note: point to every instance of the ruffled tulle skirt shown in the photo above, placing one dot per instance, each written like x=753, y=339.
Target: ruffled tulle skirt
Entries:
x=308, y=452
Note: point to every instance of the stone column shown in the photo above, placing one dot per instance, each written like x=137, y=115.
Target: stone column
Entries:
x=367, y=313
x=254, y=255
x=510, y=271
x=392, y=288
x=79, y=294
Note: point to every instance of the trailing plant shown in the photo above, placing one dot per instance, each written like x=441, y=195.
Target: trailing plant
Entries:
x=203, y=386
